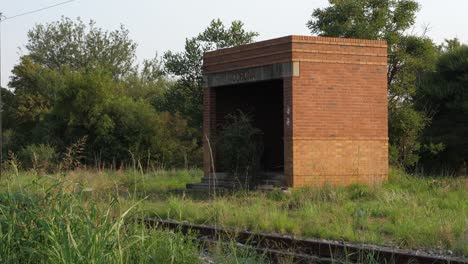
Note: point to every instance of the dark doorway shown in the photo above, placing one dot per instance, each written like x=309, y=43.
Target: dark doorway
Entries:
x=263, y=101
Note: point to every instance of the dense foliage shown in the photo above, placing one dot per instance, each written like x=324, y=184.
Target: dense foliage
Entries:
x=79, y=81
x=444, y=94
x=60, y=106
x=73, y=44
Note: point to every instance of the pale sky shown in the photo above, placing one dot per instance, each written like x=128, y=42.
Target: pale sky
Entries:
x=158, y=26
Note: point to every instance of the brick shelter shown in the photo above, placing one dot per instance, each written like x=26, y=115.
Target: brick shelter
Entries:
x=320, y=102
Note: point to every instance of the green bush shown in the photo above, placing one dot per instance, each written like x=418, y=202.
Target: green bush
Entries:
x=444, y=92
x=240, y=148
x=39, y=157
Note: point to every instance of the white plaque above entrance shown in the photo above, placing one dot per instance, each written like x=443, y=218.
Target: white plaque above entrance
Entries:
x=254, y=74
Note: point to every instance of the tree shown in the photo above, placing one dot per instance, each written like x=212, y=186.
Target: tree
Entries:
x=450, y=44
x=8, y=119
x=36, y=89
x=148, y=83
x=186, y=96
x=65, y=45
x=367, y=19
x=416, y=56
x=92, y=104
x=409, y=57
x=444, y=93
x=80, y=81
x=116, y=125
x=8, y=103
x=80, y=46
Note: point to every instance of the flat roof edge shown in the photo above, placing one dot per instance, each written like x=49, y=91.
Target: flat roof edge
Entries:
x=298, y=39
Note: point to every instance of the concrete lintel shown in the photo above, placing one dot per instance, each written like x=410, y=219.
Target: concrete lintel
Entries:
x=253, y=74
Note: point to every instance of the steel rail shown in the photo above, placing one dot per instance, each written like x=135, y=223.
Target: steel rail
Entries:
x=321, y=250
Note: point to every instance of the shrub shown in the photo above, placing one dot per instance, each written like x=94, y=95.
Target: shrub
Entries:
x=12, y=165
x=73, y=155
x=240, y=147
x=40, y=158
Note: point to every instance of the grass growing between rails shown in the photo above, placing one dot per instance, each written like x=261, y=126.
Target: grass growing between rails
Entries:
x=81, y=217
x=406, y=211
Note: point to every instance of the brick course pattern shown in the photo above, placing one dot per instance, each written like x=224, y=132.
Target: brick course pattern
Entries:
x=335, y=110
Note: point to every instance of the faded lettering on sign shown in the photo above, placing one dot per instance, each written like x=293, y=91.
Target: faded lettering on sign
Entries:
x=243, y=76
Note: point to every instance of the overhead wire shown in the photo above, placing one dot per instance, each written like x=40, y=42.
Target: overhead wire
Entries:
x=36, y=10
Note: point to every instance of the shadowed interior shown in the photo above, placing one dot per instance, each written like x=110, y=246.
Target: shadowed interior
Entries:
x=263, y=101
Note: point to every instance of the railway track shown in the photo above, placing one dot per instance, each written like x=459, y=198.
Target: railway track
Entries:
x=300, y=250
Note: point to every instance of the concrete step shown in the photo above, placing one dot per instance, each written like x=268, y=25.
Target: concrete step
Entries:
x=207, y=180
x=207, y=186
x=203, y=186
x=275, y=183
x=265, y=187
x=222, y=180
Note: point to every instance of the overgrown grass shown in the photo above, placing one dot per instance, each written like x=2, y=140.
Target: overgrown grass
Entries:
x=406, y=211
x=53, y=226
x=82, y=218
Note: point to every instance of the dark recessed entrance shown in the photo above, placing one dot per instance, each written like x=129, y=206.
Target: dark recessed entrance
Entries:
x=263, y=101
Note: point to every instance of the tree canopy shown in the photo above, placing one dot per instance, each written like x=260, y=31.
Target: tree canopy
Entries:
x=79, y=46
x=186, y=97
x=79, y=81
x=367, y=19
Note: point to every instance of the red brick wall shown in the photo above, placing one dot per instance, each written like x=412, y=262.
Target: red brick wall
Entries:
x=209, y=127
x=288, y=131
x=340, y=112
x=338, y=106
